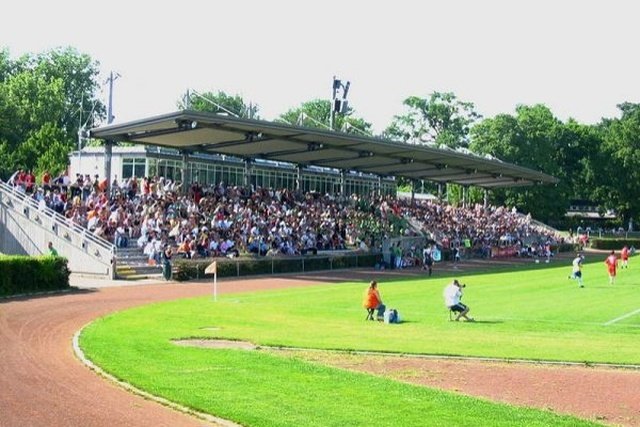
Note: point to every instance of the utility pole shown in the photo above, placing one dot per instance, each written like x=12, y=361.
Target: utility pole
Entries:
x=108, y=144
x=187, y=100
x=111, y=79
x=80, y=135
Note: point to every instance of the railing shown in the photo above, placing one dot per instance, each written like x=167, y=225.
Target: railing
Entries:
x=542, y=225
x=72, y=234
x=235, y=267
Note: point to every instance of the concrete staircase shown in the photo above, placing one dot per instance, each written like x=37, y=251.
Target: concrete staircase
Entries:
x=132, y=264
x=26, y=227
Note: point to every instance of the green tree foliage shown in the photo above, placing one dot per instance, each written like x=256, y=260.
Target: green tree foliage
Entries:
x=79, y=75
x=440, y=119
x=219, y=103
x=455, y=193
x=6, y=65
x=581, y=158
x=533, y=138
x=317, y=114
x=618, y=174
x=44, y=100
x=45, y=149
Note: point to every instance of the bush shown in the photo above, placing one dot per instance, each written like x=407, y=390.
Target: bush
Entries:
x=565, y=247
x=314, y=263
x=25, y=274
x=613, y=243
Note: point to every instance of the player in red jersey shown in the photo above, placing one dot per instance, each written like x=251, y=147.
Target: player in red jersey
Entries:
x=612, y=265
x=624, y=256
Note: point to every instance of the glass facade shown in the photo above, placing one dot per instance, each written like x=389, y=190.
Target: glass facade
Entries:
x=167, y=168
x=273, y=178
x=232, y=172
x=215, y=173
x=133, y=166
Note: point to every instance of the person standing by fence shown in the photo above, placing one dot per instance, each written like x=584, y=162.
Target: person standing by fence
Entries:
x=167, y=253
x=51, y=249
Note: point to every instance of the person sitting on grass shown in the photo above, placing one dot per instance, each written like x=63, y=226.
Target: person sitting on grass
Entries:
x=373, y=301
x=452, y=295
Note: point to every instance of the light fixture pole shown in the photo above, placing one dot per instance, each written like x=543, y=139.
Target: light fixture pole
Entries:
x=108, y=144
x=111, y=79
x=338, y=105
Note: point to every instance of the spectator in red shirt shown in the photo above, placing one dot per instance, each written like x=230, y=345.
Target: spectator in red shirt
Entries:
x=46, y=181
x=29, y=182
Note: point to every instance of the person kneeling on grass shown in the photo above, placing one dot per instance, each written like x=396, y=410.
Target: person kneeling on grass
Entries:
x=452, y=296
x=372, y=301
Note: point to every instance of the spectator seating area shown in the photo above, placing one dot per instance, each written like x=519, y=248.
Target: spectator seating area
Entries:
x=232, y=221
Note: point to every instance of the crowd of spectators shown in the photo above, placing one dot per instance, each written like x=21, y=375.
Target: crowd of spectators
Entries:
x=474, y=231
x=231, y=220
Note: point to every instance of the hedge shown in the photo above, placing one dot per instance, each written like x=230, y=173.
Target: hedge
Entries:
x=613, y=243
x=26, y=275
x=194, y=269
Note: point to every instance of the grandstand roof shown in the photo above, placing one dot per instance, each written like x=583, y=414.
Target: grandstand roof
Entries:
x=213, y=133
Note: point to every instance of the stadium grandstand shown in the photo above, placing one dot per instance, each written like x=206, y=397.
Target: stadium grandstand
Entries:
x=212, y=186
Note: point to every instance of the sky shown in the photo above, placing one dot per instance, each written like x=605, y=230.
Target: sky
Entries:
x=580, y=58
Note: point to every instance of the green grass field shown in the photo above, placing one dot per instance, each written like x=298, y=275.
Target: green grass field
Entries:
x=534, y=313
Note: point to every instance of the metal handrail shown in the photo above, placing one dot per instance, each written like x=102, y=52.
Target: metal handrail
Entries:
x=60, y=220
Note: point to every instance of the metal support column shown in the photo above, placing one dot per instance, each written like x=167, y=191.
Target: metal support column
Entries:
x=246, y=182
x=343, y=183
x=184, y=171
x=298, y=178
x=465, y=196
x=108, y=152
x=413, y=191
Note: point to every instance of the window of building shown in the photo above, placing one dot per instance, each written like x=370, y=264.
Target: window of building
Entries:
x=133, y=166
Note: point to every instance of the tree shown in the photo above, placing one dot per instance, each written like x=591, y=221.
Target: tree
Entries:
x=534, y=138
x=317, y=114
x=618, y=175
x=42, y=101
x=6, y=64
x=44, y=150
x=581, y=158
x=219, y=103
x=441, y=119
x=79, y=75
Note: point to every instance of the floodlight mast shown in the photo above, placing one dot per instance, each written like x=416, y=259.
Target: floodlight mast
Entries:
x=338, y=105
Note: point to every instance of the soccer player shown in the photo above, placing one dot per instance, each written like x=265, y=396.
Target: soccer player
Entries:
x=577, y=269
x=612, y=265
x=624, y=255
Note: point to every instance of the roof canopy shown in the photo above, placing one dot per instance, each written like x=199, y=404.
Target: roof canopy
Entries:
x=256, y=139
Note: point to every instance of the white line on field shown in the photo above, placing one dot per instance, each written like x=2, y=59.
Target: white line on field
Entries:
x=556, y=322
x=624, y=316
